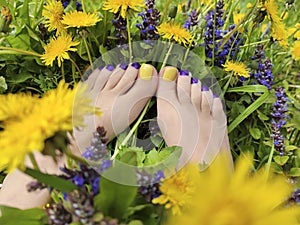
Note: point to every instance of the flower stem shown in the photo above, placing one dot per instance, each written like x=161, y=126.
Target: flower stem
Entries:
x=74, y=63
x=167, y=55
x=268, y=165
x=34, y=162
x=88, y=52
x=9, y=50
x=129, y=40
x=131, y=132
x=63, y=71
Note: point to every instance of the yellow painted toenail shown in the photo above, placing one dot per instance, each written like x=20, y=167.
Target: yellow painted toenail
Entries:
x=146, y=71
x=170, y=74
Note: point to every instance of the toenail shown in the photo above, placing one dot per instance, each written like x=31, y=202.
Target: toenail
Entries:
x=100, y=68
x=123, y=66
x=194, y=80
x=184, y=73
x=136, y=65
x=110, y=67
x=146, y=72
x=170, y=74
x=204, y=88
x=216, y=96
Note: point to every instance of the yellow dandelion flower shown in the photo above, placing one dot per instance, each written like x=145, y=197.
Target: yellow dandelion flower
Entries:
x=58, y=48
x=174, y=32
x=53, y=13
x=271, y=8
x=80, y=19
x=295, y=31
x=115, y=6
x=280, y=34
x=38, y=123
x=249, y=5
x=238, y=68
x=238, y=199
x=237, y=18
x=177, y=190
x=296, y=50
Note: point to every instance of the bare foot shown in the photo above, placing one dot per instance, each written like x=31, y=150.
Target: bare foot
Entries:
x=121, y=94
x=190, y=117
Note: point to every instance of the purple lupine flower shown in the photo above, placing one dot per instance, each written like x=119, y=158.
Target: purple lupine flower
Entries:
x=148, y=184
x=279, y=118
x=151, y=19
x=263, y=73
x=192, y=20
x=213, y=38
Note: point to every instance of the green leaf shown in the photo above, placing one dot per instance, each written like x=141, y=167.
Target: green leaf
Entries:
x=294, y=172
x=291, y=148
x=281, y=160
x=14, y=216
x=249, y=88
x=24, y=12
x=255, y=105
x=135, y=222
x=114, y=199
x=133, y=156
x=262, y=116
x=255, y=133
x=52, y=180
x=3, y=85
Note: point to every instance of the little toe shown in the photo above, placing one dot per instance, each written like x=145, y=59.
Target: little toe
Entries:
x=206, y=100
x=92, y=78
x=184, y=87
x=218, y=113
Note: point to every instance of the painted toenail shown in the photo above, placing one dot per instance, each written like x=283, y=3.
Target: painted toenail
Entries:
x=216, y=96
x=204, y=88
x=170, y=74
x=146, y=72
x=100, y=68
x=194, y=80
x=123, y=66
x=136, y=65
x=110, y=67
x=184, y=73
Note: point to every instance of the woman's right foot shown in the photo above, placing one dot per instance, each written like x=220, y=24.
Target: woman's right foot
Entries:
x=190, y=116
x=121, y=94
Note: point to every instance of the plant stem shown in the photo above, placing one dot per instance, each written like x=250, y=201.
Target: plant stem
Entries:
x=15, y=50
x=268, y=165
x=88, y=52
x=167, y=55
x=129, y=40
x=34, y=162
x=74, y=63
x=63, y=71
x=131, y=132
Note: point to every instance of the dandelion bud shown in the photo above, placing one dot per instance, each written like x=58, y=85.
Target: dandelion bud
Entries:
x=5, y=19
x=173, y=12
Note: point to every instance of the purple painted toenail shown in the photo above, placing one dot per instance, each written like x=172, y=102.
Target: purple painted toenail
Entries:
x=194, y=80
x=123, y=66
x=136, y=65
x=216, y=96
x=184, y=73
x=110, y=67
x=100, y=68
x=204, y=88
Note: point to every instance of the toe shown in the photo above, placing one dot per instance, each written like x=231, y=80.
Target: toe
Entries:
x=115, y=77
x=91, y=79
x=128, y=78
x=218, y=113
x=101, y=77
x=206, y=100
x=167, y=83
x=184, y=87
x=196, y=95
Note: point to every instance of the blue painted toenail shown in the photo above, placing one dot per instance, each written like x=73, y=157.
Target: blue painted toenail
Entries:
x=204, y=88
x=123, y=66
x=136, y=65
x=194, y=80
x=216, y=96
x=184, y=72
x=110, y=67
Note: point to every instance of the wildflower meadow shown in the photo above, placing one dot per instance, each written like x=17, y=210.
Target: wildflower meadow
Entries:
x=245, y=55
